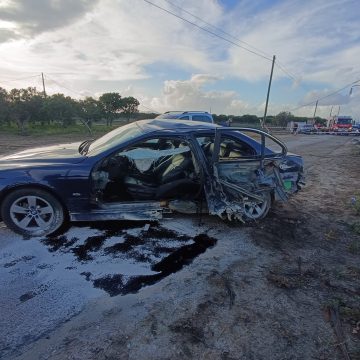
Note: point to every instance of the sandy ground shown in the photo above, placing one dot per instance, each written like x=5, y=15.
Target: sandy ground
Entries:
x=287, y=287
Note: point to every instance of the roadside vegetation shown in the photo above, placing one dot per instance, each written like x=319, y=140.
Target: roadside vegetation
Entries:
x=31, y=112
x=28, y=111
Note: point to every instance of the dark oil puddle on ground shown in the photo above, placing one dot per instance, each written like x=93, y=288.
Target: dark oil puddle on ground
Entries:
x=58, y=242
x=92, y=243
x=116, y=284
x=132, y=247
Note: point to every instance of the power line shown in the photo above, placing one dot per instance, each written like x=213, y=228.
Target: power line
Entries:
x=218, y=29
x=326, y=96
x=63, y=86
x=281, y=67
x=208, y=31
x=257, y=51
x=18, y=79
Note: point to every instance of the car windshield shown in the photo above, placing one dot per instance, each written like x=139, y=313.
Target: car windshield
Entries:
x=115, y=137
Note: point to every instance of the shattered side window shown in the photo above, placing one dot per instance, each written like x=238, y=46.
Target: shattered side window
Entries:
x=147, y=153
x=207, y=145
x=234, y=149
x=273, y=146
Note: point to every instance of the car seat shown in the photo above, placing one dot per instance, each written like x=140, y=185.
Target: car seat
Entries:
x=173, y=172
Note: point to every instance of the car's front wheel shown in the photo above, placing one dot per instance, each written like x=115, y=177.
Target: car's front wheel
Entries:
x=32, y=212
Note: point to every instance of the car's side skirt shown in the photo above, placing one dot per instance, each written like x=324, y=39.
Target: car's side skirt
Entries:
x=121, y=211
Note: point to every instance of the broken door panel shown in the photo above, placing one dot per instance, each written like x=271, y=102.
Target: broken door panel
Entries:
x=244, y=180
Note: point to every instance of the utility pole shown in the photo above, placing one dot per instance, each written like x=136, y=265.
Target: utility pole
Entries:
x=43, y=82
x=331, y=110
x=338, y=111
x=268, y=92
x=315, y=111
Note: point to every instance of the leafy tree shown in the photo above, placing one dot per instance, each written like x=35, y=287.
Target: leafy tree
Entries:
x=25, y=105
x=249, y=119
x=320, y=121
x=130, y=107
x=245, y=119
x=111, y=104
x=4, y=107
x=270, y=120
x=141, y=115
x=62, y=109
x=283, y=118
x=91, y=110
x=220, y=118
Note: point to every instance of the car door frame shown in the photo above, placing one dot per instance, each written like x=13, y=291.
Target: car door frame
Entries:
x=216, y=198
x=133, y=210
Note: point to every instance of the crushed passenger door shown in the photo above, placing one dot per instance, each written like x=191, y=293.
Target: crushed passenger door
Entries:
x=242, y=183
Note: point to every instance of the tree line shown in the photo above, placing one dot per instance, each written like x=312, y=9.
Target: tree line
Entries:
x=281, y=119
x=30, y=106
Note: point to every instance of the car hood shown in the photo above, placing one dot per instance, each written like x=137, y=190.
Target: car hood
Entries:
x=64, y=153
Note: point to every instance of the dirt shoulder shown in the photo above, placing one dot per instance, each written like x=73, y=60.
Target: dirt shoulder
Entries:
x=272, y=290
x=10, y=143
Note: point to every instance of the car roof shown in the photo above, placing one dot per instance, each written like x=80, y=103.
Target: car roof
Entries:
x=152, y=125
x=186, y=112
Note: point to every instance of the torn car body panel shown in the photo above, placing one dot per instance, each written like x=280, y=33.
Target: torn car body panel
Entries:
x=240, y=180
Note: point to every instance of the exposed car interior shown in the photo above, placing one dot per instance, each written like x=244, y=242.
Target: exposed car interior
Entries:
x=229, y=148
x=155, y=169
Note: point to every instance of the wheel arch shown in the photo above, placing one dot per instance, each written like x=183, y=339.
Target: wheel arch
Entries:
x=13, y=188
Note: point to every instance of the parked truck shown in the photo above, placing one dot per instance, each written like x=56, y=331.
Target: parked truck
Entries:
x=340, y=123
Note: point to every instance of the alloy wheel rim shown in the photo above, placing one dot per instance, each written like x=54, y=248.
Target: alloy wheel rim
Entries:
x=32, y=213
x=255, y=209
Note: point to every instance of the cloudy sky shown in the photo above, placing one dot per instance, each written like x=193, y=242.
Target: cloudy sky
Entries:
x=87, y=47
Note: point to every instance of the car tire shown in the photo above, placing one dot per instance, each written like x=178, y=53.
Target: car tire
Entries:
x=32, y=212
x=256, y=210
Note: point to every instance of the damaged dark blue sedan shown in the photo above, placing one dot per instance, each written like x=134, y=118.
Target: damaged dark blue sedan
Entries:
x=146, y=170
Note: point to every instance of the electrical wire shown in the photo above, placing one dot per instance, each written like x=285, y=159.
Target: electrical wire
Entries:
x=208, y=31
x=218, y=29
x=267, y=56
x=18, y=79
x=326, y=96
x=63, y=86
x=282, y=68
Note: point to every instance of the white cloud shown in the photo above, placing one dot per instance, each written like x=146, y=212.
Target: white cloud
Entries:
x=327, y=97
x=110, y=40
x=190, y=95
x=26, y=18
x=313, y=40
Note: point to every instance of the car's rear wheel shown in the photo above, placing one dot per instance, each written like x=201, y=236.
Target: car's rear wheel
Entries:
x=257, y=209
x=32, y=212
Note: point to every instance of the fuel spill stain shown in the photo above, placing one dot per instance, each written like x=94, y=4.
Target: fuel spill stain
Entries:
x=157, y=250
